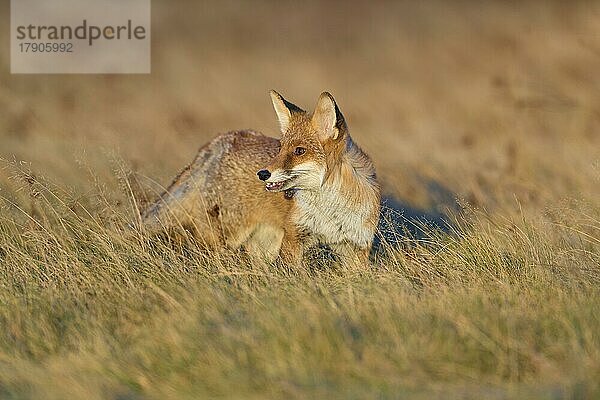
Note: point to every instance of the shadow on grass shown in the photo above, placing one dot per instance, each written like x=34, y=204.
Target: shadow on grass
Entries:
x=401, y=223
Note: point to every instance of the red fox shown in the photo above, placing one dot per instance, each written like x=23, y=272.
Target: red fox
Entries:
x=318, y=187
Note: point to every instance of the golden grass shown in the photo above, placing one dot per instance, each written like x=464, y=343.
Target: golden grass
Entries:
x=498, y=307
x=492, y=104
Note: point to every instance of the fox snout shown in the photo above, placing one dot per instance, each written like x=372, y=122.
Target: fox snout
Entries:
x=263, y=174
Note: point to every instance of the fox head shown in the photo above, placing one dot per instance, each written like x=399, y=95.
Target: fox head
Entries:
x=310, y=143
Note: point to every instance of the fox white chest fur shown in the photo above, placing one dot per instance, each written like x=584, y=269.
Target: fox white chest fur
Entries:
x=334, y=217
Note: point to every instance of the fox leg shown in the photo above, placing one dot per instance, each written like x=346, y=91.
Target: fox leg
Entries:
x=353, y=255
x=264, y=244
x=292, y=250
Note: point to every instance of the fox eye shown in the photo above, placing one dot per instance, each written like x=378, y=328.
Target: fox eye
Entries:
x=298, y=151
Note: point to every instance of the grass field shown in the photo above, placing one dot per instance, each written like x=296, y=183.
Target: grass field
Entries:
x=489, y=112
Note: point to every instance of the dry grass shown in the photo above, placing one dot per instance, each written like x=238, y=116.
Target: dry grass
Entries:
x=492, y=104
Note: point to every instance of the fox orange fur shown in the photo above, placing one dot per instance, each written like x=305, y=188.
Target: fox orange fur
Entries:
x=318, y=187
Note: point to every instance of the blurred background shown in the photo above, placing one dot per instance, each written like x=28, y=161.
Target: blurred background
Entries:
x=496, y=104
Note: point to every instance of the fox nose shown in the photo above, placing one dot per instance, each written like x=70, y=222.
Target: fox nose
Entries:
x=263, y=174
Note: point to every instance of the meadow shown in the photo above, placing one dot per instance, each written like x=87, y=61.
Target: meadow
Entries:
x=482, y=118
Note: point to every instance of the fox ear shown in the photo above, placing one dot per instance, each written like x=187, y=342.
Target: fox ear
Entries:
x=328, y=119
x=284, y=110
